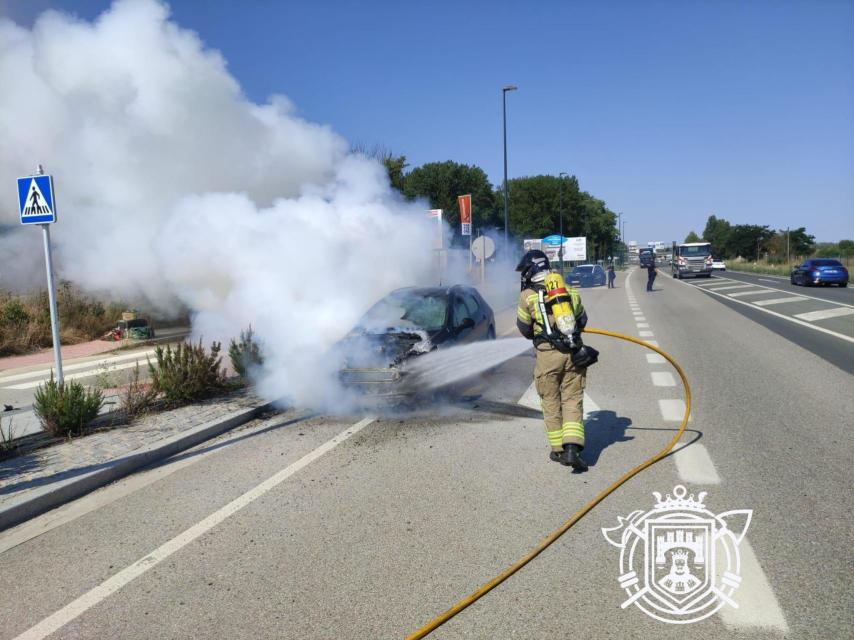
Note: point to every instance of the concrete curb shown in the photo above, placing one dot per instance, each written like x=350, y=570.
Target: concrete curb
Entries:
x=62, y=491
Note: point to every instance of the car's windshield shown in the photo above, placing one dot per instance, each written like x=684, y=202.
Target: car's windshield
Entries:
x=582, y=270
x=403, y=309
x=826, y=263
x=702, y=250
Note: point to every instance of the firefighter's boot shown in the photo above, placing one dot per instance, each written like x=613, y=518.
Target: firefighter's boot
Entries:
x=571, y=457
x=556, y=456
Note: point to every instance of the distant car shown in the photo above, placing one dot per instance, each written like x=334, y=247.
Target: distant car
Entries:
x=405, y=324
x=587, y=275
x=820, y=271
x=718, y=264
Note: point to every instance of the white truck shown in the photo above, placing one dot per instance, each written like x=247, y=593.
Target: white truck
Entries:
x=691, y=259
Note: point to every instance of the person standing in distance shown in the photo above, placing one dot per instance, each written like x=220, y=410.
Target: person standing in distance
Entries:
x=651, y=273
x=560, y=371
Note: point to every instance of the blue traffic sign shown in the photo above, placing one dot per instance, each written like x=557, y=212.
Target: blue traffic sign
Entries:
x=35, y=200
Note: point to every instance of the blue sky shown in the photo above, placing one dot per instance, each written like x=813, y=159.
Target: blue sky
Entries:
x=669, y=111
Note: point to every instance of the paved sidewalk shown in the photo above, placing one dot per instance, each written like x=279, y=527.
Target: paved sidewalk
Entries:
x=31, y=475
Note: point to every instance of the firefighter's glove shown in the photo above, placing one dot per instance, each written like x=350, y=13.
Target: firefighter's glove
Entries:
x=584, y=356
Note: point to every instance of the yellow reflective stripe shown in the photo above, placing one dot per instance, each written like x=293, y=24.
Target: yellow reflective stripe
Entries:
x=573, y=429
x=523, y=315
x=554, y=437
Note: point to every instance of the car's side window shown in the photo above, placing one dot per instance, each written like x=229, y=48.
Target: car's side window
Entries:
x=461, y=312
x=471, y=304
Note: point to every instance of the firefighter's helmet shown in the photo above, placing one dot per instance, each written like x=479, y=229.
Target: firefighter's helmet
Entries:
x=533, y=262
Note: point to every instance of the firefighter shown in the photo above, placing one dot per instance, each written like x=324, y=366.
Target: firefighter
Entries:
x=553, y=317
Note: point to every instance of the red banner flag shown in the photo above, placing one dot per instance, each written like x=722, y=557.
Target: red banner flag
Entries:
x=465, y=213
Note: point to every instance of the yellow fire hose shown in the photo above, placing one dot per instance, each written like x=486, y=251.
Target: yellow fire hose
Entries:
x=441, y=619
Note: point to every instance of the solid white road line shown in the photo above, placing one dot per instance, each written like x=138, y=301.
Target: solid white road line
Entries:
x=765, y=303
x=96, y=595
x=654, y=358
x=94, y=364
x=672, y=410
x=694, y=464
x=835, y=334
x=32, y=384
x=645, y=334
x=824, y=314
x=755, y=292
x=757, y=604
x=663, y=378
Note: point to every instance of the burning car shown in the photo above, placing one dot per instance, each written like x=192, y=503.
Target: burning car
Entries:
x=405, y=324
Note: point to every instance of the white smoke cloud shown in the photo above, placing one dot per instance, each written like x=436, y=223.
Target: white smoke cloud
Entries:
x=172, y=186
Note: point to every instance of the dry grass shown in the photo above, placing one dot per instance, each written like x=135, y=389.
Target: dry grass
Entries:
x=25, y=319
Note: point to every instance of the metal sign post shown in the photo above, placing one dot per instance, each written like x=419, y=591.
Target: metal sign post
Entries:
x=38, y=206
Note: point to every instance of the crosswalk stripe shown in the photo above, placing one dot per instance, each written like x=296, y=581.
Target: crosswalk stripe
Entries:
x=824, y=314
x=765, y=303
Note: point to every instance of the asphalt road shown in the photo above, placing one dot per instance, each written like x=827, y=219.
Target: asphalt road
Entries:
x=819, y=319
x=367, y=527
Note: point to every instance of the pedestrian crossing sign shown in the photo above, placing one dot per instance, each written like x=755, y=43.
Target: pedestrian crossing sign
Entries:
x=35, y=200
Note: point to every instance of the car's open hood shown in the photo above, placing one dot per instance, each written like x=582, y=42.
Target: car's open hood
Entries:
x=363, y=350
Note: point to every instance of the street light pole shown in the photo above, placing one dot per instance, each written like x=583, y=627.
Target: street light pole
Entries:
x=560, y=251
x=504, y=91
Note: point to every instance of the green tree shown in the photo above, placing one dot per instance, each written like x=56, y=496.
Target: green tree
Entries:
x=747, y=240
x=717, y=232
x=692, y=237
x=395, y=166
x=534, y=212
x=441, y=182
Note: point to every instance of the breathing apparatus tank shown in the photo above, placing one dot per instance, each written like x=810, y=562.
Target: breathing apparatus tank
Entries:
x=557, y=297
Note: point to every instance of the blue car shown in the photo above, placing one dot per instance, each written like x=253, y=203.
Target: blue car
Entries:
x=820, y=271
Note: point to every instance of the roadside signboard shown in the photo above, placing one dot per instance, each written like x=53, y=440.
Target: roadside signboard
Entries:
x=483, y=247
x=35, y=200
x=465, y=213
x=574, y=249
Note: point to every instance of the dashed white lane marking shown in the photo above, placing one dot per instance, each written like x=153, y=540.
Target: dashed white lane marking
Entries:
x=765, y=303
x=92, y=364
x=757, y=604
x=663, y=378
x=824, y=314
x=732, y=286
x=672, y=410
x=755, y=292
x=91, y=598
x=654, y=358
x=645, y=334
x=642, y=325
x=654, y=343
x=694, y=464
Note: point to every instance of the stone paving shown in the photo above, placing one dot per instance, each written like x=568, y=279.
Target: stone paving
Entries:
x=82, y=455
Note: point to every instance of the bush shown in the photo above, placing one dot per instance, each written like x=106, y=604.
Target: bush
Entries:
x=66, y=408
x=138, y=396
x=246, y=353
x=187, y=373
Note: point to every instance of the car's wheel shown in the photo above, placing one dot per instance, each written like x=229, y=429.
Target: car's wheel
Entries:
x=792, y=280
x=843, y=284
x=490, y=333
